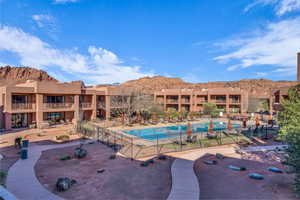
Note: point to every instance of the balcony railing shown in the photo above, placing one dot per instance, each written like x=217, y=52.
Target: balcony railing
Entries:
x=185, y=100
x=172, y=100
x=202, y=100
x=234, y=101
x=23, y=106
x=101, y=105
x=58, y=105
x=85, y=105
x=218, y=100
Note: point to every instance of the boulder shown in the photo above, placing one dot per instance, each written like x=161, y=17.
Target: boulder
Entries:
x=100, y=171
x=275, y=170
x=162, y=157
x=210, y=162
x=256, y=176
x=220, y=156
x=80, y=152
x=237, y=168
x=64, y=184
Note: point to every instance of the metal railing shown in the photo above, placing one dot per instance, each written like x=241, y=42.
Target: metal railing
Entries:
x=23, y=106
x=172, y=100
x=58, y=105
x=85, y=105
x=141, y=146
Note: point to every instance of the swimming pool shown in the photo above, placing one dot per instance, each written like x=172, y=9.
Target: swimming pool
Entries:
x=174, y=131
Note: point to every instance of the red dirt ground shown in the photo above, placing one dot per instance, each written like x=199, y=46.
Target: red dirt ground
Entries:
x=220, y=182
x=122, y=179
x=10, y=156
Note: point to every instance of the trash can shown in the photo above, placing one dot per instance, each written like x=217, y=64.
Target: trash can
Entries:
x=24, y=154
x=25, y=143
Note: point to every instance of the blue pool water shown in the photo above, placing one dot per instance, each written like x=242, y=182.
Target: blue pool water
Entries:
x=174, y=131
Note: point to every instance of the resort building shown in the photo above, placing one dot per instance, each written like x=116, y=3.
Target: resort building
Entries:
x=38, y=103
x=229, y=100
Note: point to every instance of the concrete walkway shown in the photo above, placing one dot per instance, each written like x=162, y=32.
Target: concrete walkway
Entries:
x=21, y=179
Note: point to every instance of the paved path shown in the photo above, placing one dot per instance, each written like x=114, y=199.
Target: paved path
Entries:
x=21, y=179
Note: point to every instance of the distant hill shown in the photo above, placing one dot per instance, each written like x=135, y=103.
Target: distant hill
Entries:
x=257, y=87
x=10, y=75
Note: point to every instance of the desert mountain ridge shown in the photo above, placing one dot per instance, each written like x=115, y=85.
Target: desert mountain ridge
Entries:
x=14, y=75
x=9, y=74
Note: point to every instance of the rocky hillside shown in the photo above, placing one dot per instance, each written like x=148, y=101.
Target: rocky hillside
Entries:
x=259, y=87
x=10, y=74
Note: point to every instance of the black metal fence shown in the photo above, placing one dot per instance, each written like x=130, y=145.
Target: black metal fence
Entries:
x=136, y=147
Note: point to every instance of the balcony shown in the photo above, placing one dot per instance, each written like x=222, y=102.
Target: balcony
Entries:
x=101, y=105
x=172, y=100
x=58, y=105
x=185, y=101
x=85, y=105
x=23, y=106
x=223, y=101
x=235, y=101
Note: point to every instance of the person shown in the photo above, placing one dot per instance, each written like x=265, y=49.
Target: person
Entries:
x=244, y=123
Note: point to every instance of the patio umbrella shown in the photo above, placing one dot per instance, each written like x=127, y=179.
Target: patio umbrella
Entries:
x=257, y=122
x=211, y=126
x=154, y=117
x=122, y=118
x=189, y=130
x=229, y=125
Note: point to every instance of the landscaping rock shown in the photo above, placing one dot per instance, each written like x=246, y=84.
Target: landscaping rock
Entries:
x=210, y=162
x=162, y=157
x=256, y=176
x=80, y=153
x=63, y=184
x=237, y=168
x=100, y=171
x=220, y=156
x=275, y=169
x=65, y=158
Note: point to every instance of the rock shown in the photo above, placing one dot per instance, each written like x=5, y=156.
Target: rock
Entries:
x=210, y=162
x=256, y=176
x=237, y=168
x=162, y=157
x=275, y=169
x=65, y=158
x=220, y=156
x=144, y=164
x=64, y=184
x=112, y=157
x=151, y=161
x=10, y=74
x=100, y=171
x=80, y=153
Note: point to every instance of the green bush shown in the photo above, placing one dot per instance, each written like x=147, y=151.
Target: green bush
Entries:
x=65, y=158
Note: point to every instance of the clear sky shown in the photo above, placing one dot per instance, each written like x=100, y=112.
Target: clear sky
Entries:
x=107, y=41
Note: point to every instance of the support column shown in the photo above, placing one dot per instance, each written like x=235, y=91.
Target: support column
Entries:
x=179, y=102
x=94, y=107
x=227, y=103
x=39, y=110
x=76, y=110
x=7, y=119
x=271, y=105
x=165, y=102
x=107, y=107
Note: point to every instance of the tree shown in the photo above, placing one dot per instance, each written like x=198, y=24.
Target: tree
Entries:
x=256, y=104
x=289, y=121
x=210, y=109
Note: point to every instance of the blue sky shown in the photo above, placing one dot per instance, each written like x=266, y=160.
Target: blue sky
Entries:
x=107, y=41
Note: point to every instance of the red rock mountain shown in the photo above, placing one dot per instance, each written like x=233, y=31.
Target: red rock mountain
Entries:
x=10, y=75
